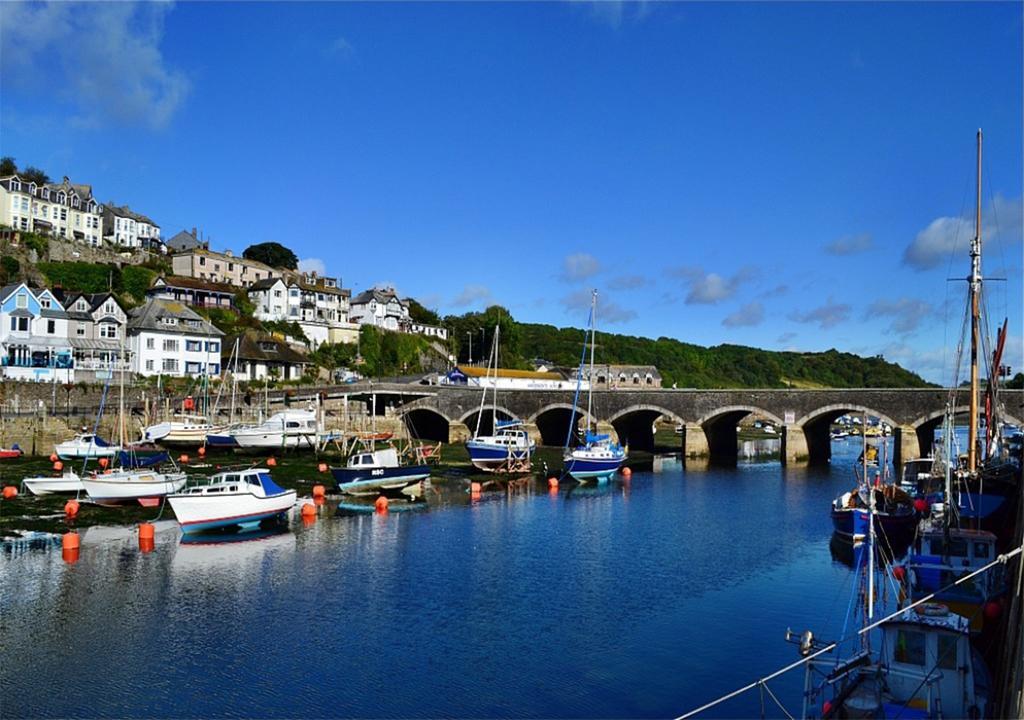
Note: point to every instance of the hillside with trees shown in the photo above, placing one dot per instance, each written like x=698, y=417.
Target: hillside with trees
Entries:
x=681, y=364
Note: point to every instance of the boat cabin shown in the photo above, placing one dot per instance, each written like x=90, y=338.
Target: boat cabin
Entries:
x=917, y=478
x=256, y=481
x=386, y=458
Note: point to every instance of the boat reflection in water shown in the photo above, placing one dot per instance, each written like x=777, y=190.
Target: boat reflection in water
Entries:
x=232, y=556
x=350, y=508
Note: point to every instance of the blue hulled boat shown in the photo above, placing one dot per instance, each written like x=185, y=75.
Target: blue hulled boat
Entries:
x=379, y=472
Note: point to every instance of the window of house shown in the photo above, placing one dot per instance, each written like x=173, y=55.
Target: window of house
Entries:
x=63, y=214
x=202, y=260
x=108, y=330
x=193, y=346
x=214, y=368
x=15, y=185
x=231, y=267
x=170, y=365
x=277, y=293
x=213, y=346
x=193, y=368
x=51, y=327
x=216, y=267
x=909, y=647
x=170, y=345
x=80, y=330
x=150, y=343
x=169, y=321
x=149, y=365
x=45, y=302
x=78, y=220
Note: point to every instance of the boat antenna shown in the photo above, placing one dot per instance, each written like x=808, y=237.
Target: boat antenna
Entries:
x=593, y=340
x=974, y=285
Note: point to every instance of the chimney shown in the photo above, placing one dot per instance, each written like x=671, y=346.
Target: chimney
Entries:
x=193, y=232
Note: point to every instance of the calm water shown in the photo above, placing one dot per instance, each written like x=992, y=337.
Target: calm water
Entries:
x=643, y=599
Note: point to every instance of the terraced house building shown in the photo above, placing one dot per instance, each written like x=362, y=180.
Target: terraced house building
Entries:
x=221, y=267
x=64, y=209
x=167, y=338
x=128, y=229
x=34, y=336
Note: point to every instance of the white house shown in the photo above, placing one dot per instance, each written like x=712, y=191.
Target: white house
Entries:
x=167, y=338
x=128, y=229
x=60, y=209
x=318, y=306
x=34, y=336
x=380, y=307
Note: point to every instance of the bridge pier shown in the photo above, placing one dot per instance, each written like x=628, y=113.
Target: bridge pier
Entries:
x=794, y=445
x=906, y=445
x=696, y=450
x=458, y=432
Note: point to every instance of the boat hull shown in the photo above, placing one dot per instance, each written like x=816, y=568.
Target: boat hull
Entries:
x=272, y=440
x=488, y=456
x=77, y=451
x=128, y=487
x=198, y=513
x=220, y=441
x=592, y=468
x=67, y=483
x=9, y=454
x=378, y=481
x=894, y=526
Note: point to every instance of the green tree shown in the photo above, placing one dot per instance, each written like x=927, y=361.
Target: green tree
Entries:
x=136, y=280
x=421, y=314
x=272, y=254
x=7, y=166
x=1016, y=382
x=34, y=174
x=9, y=269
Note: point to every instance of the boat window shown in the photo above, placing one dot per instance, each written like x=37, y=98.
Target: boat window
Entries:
x=909, y=647
x=947, y=652
x=292, y=424
x=215, y=490
x=956, y=547
x=230, y=478
x=233, y=488
x=252, y=479
x=981, y=550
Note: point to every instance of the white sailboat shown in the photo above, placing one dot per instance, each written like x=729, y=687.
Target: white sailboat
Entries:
x=286, y=429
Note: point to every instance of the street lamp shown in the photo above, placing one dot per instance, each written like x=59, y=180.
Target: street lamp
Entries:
x=470, y=334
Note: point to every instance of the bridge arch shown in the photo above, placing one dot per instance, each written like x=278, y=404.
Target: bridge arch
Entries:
x=926, y=425
x=817, y=427
x=552, y=422
x=486, y=418
x=425, y=422
x=635, y=424
x=719, y=426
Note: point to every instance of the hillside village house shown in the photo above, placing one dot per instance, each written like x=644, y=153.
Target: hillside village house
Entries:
x=34, y=336
x=128, y=229
x=624, y=376
x=60, y=209
x=383, y=308
x=167, y=338
x=185, y=241
x=261, y=355
x=96, y=327
x=317, y=304
x=194, y=292
x=221, y=267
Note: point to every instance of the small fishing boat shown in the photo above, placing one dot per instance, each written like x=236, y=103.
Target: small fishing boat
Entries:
x=118, y=487
x=85, y=446
x=598, y=457
x=287, y=429
x=189, y=430
x=232, y=498
x=916, y=479
x=379, y=472
x=69, y=482
x=14, y=452
x=894, y=511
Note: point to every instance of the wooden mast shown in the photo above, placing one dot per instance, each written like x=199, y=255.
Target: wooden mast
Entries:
x=974, y=282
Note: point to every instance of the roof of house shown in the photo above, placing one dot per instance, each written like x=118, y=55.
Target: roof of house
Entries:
x=185, y=239
x=265, y=284
x=324, y=289
x=149, y=316
x=6, y=290
x=381, y=295
x=229, y=258
x=94, y=300
x=125, y=211
x=179, y=281
x=257, y=347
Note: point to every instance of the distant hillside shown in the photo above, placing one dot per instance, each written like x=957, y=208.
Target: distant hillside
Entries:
x=723, y=366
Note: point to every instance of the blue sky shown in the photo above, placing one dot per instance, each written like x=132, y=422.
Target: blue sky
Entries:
x=788, y=176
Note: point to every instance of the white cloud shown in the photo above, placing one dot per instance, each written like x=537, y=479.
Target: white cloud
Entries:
x=907, y=314
x=472, y=294
x=580, y=266
x=826, y=316
x=104, y=59
x=310, y=265
x=850, y=244
x=1002, y=221
x=747, y=316
x=710, y=288
x=777, y=291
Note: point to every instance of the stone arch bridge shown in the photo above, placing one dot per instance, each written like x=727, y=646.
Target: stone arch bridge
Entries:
x=708, y=417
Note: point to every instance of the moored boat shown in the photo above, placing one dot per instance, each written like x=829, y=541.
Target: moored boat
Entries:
x=230, y=498
x=379, y=472
x=509, y=445
x=119, y=487
x=894, y=512
x=190, y=430
x=85, y=446
x=69, y=482
x=286, y=429
x=10, y=454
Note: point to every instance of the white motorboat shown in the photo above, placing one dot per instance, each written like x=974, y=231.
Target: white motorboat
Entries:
x=188, y=430
x=124, y=486
x=86, y=445
x=69, y=482
x=231, y=498
x=287, y=429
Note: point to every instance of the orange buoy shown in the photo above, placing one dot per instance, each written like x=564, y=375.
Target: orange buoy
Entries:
x=201, y=451
x=626, y=472
x=146, y=531
x=70, y=541
x=319, y=491
x=308, y=510
x=319, y=500
x=70, y=556
x=53, y=457
x=322, y=467
x=271, y=462
x=475, y=487
x=553, y=482
x=104, y=462
x=183, y=458
x=381, y=505
x=58, y=466
x=71, y=508
x=10, y=492
x=147, y=545
x=308, y=520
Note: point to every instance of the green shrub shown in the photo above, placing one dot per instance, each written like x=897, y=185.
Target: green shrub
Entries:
x=9, y=268
x=135, y=280
x=81, y=276
x=36, y=242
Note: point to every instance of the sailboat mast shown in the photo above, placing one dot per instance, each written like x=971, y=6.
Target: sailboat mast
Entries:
x=494, y=405
x=593, y=338
x=974, y=293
